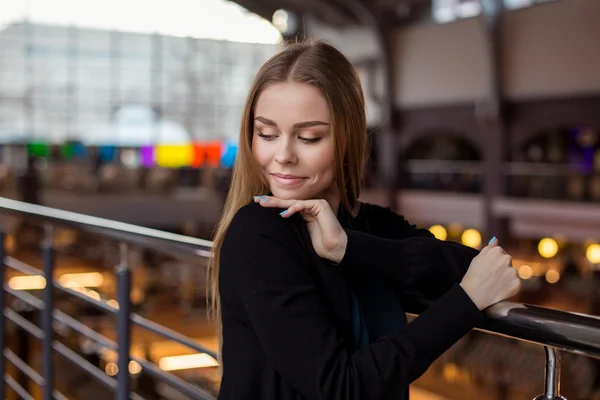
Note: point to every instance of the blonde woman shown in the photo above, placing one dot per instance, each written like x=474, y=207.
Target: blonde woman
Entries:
x=307, y=282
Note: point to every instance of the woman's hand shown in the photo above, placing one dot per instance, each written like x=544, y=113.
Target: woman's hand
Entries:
x=327, y=235
x=491, y=277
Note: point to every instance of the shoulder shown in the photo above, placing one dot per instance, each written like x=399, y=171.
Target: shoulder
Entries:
x=255, y=219
x=255, y=228
x=258, y=243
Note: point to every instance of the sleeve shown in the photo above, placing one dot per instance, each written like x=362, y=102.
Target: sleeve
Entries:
x=384, y=222
x=287, y=310
x=409, y=257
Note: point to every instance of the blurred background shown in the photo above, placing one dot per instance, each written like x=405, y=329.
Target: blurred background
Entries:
x=483, y=119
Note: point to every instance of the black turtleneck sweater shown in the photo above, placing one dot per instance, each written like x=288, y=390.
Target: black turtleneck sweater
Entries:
x=290, y=317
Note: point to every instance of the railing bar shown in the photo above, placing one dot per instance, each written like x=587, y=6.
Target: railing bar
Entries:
x=2, y=305
x=84, y=329
x=574, y=333
x=195, y=392
x=98, y=303
x=29, y=270
x=25, y=297
x=135, y=318
x=23, y=323
x=170, y=334
x=85, y=365
x=75, y=358
x=22, y=267
x=23, y=367
x=48, y=297
x=152, y=368
x=119, y=231
x=37, y=303
x=17, y=388
x=59, y=396
x=123, y=322
x=552, y=384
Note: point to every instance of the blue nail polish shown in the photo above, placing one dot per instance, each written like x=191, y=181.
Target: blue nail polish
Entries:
x=283, y=212
x=259, y=197
x=263, y=199
x=492, y=240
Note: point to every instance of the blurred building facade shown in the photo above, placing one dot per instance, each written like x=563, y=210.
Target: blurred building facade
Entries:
x=59, y=83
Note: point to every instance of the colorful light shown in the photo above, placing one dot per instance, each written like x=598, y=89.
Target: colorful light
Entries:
x=213, y=154
x=147, y=156
x=107, y=153
x=175, y=156
x=228, y=155
x=592, y=253
x=471, y=238
x=195, y=154
x=38, y=149
x=548, y=247
x=439, y=232
x=67, y=151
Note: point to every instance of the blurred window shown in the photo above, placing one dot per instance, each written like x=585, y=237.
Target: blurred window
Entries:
x=451, y=10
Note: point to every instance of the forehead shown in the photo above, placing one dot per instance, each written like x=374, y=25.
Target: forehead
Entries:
x=287, y=103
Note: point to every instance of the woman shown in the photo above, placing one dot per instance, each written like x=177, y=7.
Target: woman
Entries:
x=308, y=298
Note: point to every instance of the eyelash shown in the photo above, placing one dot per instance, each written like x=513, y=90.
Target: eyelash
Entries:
x=305, y=140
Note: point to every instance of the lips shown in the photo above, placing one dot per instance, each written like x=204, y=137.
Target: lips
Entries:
x=288, y=180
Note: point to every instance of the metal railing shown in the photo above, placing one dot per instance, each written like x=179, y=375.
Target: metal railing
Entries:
x=555, y=330
x=125, y=234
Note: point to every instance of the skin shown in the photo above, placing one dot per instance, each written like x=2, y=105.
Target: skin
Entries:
x=293, y=143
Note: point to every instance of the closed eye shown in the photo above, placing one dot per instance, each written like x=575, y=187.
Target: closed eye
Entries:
x=309, y=140
x=266, y=137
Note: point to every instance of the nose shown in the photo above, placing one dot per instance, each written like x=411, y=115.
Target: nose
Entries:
x=286, y=153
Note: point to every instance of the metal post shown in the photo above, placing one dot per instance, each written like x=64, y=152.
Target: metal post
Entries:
x=552, y=376
x=47, y=296
x=2, y=306
x=123, y=323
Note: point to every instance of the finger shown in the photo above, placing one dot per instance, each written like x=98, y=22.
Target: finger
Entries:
x=291, y=210
x=270, y=201
x=493, y=243
x=299, y=206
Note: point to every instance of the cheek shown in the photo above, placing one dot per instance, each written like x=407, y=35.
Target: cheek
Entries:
x=260, y=153
x=322, y=162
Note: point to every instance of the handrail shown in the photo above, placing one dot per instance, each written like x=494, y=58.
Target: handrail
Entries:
x=165, y=242
x=553, y=329
x=573, y=332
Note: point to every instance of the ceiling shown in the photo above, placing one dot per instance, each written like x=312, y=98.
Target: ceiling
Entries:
x=338, y=14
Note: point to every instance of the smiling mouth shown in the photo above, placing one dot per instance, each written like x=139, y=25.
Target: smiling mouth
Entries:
x=288, y=180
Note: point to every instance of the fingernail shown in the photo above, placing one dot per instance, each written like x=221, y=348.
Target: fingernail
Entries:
x=492, y=240
x=283, y=212
x=263, y=199
x=259, y=197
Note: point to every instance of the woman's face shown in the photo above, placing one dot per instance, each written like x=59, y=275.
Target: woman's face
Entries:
x=292, y=141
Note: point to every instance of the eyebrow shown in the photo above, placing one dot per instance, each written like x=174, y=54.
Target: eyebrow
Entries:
x=298, y=125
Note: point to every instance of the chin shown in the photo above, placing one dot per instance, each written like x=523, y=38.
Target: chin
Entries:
x=287, y=194
x=291, y=194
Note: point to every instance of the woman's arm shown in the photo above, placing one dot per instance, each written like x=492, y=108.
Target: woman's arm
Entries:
x=424, y=265
x=411, y=257
x=264, y=268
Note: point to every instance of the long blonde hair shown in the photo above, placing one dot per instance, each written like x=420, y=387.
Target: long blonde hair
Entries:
x=324, y=67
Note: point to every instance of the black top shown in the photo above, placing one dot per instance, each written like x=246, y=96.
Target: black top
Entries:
x=288, y=316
